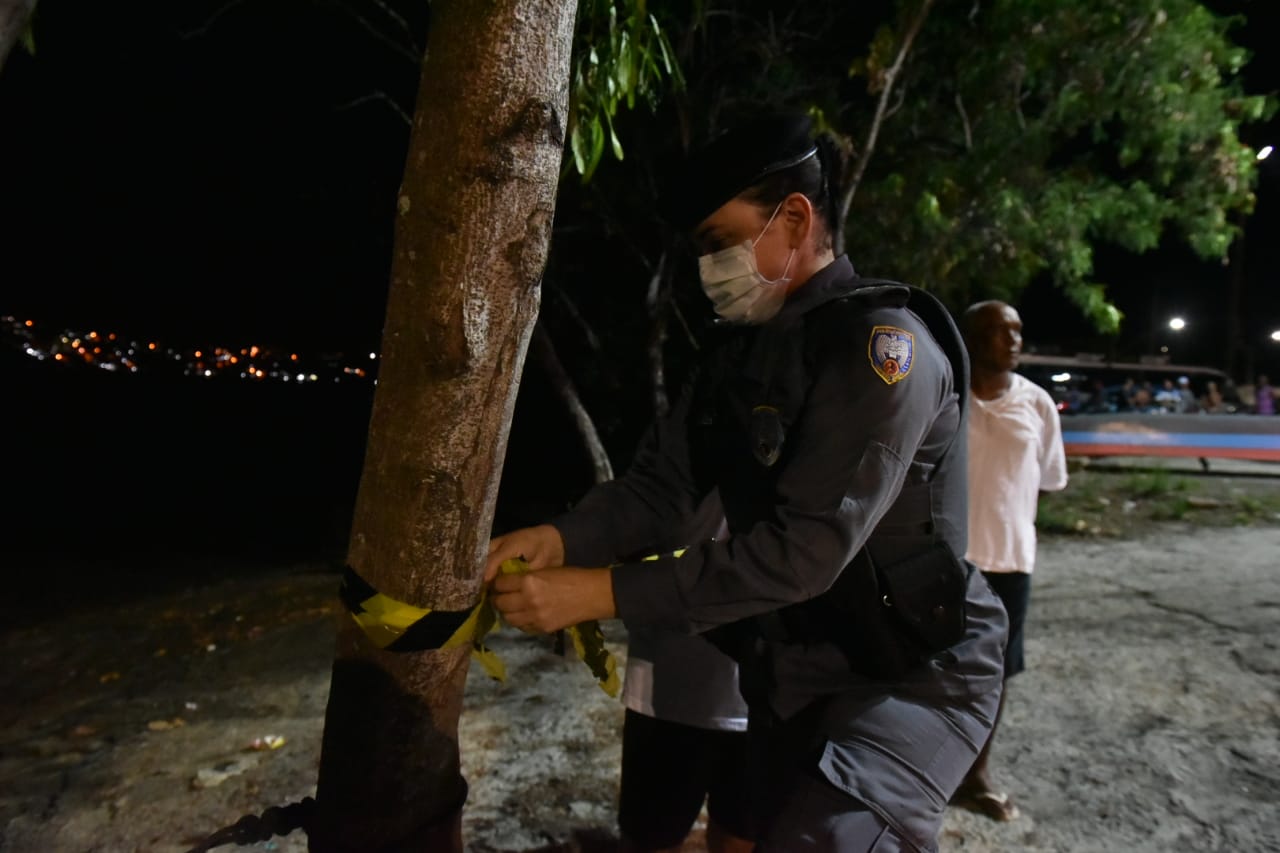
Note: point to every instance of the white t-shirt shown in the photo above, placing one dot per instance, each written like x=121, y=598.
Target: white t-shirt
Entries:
x=682, y=679
x=1015, y=452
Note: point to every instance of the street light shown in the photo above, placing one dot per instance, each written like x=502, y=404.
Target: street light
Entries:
x=1177, y=324
x=1275, y=336
x=1265, y=152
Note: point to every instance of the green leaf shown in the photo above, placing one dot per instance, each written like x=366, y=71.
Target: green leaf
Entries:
x=28, y=37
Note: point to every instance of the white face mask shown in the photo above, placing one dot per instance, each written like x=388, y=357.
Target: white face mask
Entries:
x=732, y=281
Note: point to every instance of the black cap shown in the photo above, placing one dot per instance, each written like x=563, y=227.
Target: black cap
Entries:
x=735, y=160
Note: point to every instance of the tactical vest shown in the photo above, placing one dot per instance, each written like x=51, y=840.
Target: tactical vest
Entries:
x=901, y=600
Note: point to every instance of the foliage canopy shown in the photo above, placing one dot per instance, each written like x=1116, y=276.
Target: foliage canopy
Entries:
x=1019, y=135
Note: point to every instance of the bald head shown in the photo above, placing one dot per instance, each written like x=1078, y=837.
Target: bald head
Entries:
x=993, y=334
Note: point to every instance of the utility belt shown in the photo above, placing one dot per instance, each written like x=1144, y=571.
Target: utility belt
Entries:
x=887, y=618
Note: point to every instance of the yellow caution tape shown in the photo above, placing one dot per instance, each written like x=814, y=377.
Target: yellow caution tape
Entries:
x=399, y=627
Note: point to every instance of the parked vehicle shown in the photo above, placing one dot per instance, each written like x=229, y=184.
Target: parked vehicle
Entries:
x=1138, y=409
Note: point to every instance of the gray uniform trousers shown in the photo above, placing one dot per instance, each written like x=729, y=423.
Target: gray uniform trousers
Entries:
x=872, y=767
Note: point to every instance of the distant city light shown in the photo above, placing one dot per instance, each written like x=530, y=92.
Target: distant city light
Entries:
x=92, y=350
x=1265, y=152
x=1177, y=324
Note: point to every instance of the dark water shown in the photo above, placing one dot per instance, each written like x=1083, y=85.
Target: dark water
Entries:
x=111, y=479
x=100, y=462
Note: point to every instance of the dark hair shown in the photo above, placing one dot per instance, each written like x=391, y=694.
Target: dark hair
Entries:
x=811, y=177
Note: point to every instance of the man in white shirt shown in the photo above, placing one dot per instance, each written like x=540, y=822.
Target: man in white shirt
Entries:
x=1015, y=452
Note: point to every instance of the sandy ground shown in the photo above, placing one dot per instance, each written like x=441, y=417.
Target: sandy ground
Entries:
x=1148, y=720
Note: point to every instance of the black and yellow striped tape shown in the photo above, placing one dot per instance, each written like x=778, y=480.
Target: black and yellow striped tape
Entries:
x=396, y=626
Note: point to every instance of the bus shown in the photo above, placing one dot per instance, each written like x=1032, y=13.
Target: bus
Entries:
x=1140, y=409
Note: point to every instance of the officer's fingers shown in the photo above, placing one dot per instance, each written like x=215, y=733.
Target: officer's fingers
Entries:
x=500, y=550
x=507, y=584
x=523, y=620
x=544, y=546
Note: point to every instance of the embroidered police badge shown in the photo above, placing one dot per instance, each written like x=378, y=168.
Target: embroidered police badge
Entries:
x=891, y=351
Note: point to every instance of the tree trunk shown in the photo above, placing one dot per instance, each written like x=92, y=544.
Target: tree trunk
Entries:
x=14, y=15
x=475, y=209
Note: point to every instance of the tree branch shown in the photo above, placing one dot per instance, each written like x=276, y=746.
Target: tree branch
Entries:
x=964, y=120
x=545, y=353
x=14, y=15
x=403, y=24
x=658, y=299
x=382, y=96
x=869, y=147
x=412, y=55
x=204, y=28
x=575, y=314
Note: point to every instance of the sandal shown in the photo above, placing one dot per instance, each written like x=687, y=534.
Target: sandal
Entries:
x=996, y=805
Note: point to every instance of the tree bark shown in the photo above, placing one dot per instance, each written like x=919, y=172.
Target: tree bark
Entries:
x=14, y=15
x=476, y=207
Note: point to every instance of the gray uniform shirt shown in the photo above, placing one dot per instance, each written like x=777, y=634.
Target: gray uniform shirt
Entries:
x=850, y=448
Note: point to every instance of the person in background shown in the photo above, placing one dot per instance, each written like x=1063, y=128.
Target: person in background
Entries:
x=1212, y=402
x=1168, y=398
x=684, y=735
x=1015, y=452
x=1264, y=396
x=1187, y=401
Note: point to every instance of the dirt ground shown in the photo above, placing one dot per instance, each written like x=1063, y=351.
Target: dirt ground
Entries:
x=1148, y=720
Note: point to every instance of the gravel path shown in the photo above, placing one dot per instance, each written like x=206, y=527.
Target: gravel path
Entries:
x=1148, y=719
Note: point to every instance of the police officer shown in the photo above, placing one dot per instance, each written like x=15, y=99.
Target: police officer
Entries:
x=832, y=422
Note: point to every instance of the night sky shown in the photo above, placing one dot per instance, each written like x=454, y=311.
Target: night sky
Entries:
x=181, y=174
x=212, y=172
x=205, y=171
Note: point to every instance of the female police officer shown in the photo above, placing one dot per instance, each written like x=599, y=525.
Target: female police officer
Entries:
x=832, y=424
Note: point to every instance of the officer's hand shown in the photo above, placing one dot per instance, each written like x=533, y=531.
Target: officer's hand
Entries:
x=540, y=546
x=552, y=599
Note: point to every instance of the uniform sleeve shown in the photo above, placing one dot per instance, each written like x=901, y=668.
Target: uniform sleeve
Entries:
x=844, y=464
x=655, y=497
x=1053, y=457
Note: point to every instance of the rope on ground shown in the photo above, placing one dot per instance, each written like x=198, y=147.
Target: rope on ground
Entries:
x=250, y=829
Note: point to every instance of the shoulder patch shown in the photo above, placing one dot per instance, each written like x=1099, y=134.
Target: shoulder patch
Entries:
x=891, y=351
